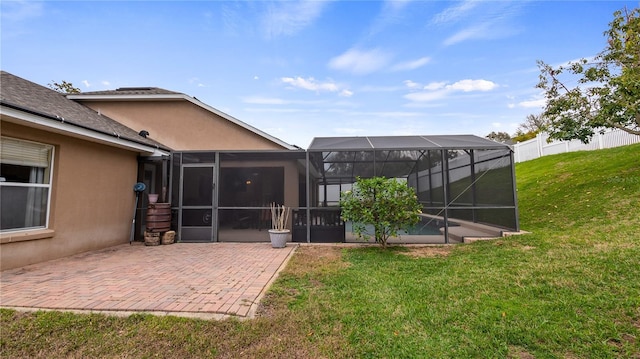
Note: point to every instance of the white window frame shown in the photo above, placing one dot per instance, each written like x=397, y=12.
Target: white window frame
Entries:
x=47, y=185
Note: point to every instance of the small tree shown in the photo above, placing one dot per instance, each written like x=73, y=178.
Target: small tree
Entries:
x=386, y=204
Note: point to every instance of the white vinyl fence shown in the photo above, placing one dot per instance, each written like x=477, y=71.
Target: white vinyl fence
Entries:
x=538, y=147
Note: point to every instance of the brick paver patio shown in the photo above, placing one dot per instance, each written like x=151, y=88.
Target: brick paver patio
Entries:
x=211, y=280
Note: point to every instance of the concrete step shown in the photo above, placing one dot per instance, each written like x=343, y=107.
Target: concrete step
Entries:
x=460, y=233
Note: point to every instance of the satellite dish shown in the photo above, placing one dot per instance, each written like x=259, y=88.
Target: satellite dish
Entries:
x=139, y=187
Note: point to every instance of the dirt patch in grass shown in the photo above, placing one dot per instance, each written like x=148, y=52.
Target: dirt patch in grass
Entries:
x=317, y=258
x=613, y=246
x=516, y=352
x=428, y=252
x=625, y=339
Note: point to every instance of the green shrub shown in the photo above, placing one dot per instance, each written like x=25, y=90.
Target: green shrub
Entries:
x=386, y=204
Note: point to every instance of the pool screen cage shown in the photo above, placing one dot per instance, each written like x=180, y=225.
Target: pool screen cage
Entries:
x=465, y=183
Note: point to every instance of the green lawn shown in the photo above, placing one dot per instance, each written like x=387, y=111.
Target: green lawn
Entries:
x=570, y=289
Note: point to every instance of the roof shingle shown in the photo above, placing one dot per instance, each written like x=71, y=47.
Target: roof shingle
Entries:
x=28, y=96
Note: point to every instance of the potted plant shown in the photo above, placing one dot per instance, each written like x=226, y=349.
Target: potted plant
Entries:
x=279, y=219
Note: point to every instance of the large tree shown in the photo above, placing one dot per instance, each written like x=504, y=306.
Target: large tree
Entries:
x=608, y=90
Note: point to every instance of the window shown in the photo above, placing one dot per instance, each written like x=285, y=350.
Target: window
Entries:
x=25, y=184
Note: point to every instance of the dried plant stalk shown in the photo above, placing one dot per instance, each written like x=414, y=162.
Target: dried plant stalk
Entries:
x=279, y=216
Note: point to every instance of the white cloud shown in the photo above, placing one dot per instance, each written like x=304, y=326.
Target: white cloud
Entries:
x=346, y=93
x=533, y=103
x=438, y=90
x=382, y=114
x=432, y=86
x=426, y=96
x=360, y=62
x=427, y=104
x=369, y=88
x=391, y=12
x=473, y=85
x=105, y=83
x=455, y=13
x=410, y=84
x=496, y=124
x=394, y=114
x=256, y=78
x=397, y=5
x=474, y=32
x=482, y=20
x=231, y=16
x=310, y=84
x=290, y=17
x=21, y=10
x=265, y=100
x=86, y=83
x=411, y=65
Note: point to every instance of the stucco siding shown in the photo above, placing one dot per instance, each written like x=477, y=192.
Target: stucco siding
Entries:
x=91, y=204
x=182, y=125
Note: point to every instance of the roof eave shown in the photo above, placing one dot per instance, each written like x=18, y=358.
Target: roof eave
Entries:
x=32, y=120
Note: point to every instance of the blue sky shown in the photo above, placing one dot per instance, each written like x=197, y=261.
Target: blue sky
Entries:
x=304, y=69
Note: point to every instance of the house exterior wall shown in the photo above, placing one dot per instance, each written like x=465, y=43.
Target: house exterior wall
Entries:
x=91, y=205
x=182, y=125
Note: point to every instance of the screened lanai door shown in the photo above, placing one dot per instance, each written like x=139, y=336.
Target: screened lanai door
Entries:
x=196, y=214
